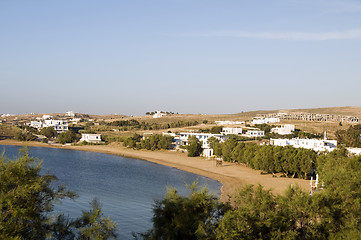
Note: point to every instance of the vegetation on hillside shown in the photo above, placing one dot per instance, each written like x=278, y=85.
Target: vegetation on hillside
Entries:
x=350, y=137
x=69, y=136
x=332, y=212
x=294, y=162
x=152, y=142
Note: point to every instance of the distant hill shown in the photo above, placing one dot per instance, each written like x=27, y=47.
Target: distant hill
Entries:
x=346, y=111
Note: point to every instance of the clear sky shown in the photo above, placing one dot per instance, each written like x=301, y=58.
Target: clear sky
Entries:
x=187, y=56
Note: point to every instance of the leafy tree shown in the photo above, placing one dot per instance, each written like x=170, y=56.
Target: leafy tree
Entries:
x=212, y=141
x=49, y=132
x=68, y=137
x=350, y=137
x=194, y=146
x=131, y=142
x=191, y=217
x=216, y=129
x=27, y=198
x=25, y=136
x=93, y=225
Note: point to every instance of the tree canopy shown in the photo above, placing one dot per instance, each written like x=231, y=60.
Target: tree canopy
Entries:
x=333, y=211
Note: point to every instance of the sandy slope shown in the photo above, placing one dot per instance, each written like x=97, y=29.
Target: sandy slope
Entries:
x=232, y=176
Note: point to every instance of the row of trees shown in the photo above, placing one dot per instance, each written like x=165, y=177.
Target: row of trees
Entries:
x=350, y=137
x=152, y=142
x=134, y=124
x=294, y=162
x=331, y=213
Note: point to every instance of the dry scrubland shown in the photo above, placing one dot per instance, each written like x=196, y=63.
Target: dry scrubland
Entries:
x=230, y=175
x=307, y=126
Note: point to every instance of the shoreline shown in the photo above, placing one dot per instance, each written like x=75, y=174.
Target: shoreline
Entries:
x=231, y=175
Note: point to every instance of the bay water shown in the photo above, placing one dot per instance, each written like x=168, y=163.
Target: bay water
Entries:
x=125, y=187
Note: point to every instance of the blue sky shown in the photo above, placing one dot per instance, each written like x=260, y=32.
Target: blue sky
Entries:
x=186, y=56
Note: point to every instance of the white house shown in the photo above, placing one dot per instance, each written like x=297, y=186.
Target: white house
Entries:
x=314, y=144
x=207, y=152
x=158, y=114
x=284, y=130
x=45, y=117
x=255, y=133
x=91, y=138
x=36, y=124
x=58, y=125
x=235, y=131
x=356, y=151
x=261, y=120
x=75, y=120
x=183, y=138
x=70, y=114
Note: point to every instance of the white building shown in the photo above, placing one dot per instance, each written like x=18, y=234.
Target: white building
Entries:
x=355, y=151
x=91, y=138
x=229, y=122
x=234, y=131
x=70, y=114
x=45, y=117
x=75, y=120
x=207, y=152
x=255, y=133
x=284, y=130
x=36, y=124
x=158, y=114
x=183, y=138
x=58, y=125
x=261, y=120
x=314, y=144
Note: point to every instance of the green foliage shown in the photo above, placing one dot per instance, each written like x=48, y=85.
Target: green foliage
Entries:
x=152, y=142
x=194, y=146
x=45, y=140
x=214, y=130
x=156, y=142
x=27, y=199
x=350, y=137
x=68, y=137
x=25, y=136
x=93, y=225
x=212, y=142
x=7, y=131
x=334, y=212
x=265, y=127
x=134, y=124
x=49, y=132
x=195, y=216
x=131, y=142
x=295, y=162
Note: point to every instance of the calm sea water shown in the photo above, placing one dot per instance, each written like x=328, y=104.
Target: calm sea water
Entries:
x=125, y=187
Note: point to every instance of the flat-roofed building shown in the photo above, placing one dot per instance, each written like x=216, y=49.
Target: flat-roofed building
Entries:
x=90, y=137
x=284, y=130
x=317, y=145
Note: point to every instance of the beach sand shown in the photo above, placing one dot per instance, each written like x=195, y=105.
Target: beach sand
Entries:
x=231, y=175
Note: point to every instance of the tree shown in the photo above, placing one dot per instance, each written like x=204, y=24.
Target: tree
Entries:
x=194, y=147
x=191, y=217
x=212, y=141
x=25, y=136
x=49, y=132
x=27, y=198
x=68, y=137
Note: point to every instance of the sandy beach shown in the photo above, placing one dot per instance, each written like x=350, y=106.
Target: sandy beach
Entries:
x=231, y=175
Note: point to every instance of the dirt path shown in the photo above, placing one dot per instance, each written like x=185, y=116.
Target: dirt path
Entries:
x=231, y=175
